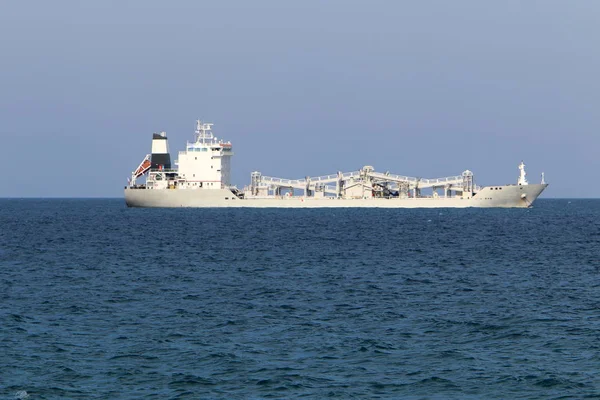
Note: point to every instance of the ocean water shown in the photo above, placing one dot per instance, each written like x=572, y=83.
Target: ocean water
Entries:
x=101, y=301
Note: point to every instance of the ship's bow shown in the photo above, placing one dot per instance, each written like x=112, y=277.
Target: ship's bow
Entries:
x=531, y=192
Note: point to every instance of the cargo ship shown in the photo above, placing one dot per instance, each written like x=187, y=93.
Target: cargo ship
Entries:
x=201, y=177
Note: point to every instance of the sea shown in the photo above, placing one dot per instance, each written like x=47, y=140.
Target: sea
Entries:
x=98, y=301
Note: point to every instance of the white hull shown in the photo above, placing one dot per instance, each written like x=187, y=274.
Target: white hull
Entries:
x=521, y=196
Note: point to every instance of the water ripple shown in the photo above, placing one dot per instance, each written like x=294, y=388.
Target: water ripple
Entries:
x=100, y=301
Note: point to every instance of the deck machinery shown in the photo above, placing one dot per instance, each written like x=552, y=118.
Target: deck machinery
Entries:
x=362, y=184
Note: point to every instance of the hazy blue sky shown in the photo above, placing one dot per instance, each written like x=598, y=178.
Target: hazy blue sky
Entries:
x=422, y=88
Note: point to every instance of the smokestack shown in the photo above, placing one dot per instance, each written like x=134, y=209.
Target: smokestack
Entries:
x=161, y=159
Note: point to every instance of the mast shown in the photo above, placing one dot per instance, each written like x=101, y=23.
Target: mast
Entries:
x=522, y=175
x=203, y=132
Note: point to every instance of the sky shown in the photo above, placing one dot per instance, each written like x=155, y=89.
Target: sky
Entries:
x=420, y=88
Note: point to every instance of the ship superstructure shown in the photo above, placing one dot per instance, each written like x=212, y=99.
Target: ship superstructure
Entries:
x=203, y=179
x=204, y=164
